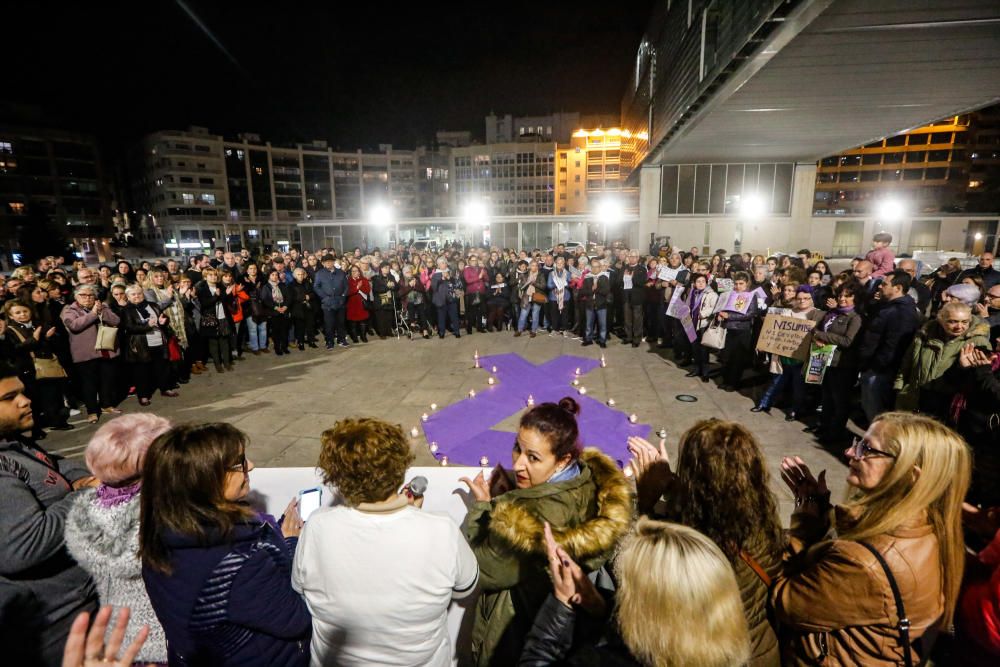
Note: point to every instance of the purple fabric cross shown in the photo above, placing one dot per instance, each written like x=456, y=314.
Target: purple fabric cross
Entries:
x=463, y=431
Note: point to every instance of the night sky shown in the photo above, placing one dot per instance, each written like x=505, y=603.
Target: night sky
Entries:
x=354, y=73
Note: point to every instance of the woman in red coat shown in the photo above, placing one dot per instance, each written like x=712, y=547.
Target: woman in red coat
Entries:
x=359, y=293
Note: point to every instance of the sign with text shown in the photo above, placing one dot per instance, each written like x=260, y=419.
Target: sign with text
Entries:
x=677, y=298
x=683, y=313
x=786, y=336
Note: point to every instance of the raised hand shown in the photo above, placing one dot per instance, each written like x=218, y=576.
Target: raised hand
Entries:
x=970, y=356
x=570, y=583
x=291, y=522
x=653, y=475
x=811, y=494
x=479, y=487
x=87, y=649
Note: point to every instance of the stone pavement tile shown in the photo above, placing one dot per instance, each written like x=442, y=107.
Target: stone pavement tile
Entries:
x=298, y=452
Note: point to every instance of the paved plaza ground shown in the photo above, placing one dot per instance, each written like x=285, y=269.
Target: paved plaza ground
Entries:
x=285, y=403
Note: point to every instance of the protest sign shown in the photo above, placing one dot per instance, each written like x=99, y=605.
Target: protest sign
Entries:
x=734, y=302
x=786, y=336
x=724, y=284
x=676, y=298
x=820, y=358
x=667, y=273
x=761, y=297
x=684, y=315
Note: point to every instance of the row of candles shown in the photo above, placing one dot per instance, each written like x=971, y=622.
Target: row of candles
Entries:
x=530, y=401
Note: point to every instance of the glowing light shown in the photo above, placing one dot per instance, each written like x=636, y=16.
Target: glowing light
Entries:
x=531, y=400
x=604, y=364
x=611, y=402
x=662, y=433
x=493, y=369
x=484, y=461
x=434, y=406
x=444, y=460
x=434, y=448
x=628, y=471
x=490, y=381
x=633, y=418
x=610, y=212
x=978, y=236
x=476, y=213
x=380, y=215
x=472, y=393
x=753, y=206
x=414, y=431
x=576, y=382
x=424, y=417
x=583, y=391
x=890, y=210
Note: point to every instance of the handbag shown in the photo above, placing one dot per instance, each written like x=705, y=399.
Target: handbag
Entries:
x=48, y=368
x=107, y=336
x=539, y=297
x=174, y=349
x=714, y=336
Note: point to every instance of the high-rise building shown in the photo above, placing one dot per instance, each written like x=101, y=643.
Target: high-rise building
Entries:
x=195, y=190
x=510, y=178
x=593, y=167
x=53, y=185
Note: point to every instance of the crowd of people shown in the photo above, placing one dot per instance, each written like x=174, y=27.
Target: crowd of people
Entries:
x=574, y=562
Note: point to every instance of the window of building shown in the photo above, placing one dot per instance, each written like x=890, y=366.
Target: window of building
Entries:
x=919, y=139
x=831, y=161
x=848, y=177
x=869, y=176
x=202, y=149
x=207, y=198
x=871, y=158
x=259, y=171
x=916, y=156
x=937, y=156
x=898, y=140
x=16, y=207
x=187, y=179
x=5, y=147
x=577, y=164
x=941, y=138
x=239, y=153
x=850, y=160
x=913, y=174
x=893, y=158
x=576, y=178
x=206, y=181
x=187, y=197
x=935, y=173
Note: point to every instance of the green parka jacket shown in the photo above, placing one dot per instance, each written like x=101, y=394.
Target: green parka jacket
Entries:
x=589, y=514
x=930, y=356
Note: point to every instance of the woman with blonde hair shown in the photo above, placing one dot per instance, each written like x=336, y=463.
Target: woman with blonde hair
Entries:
x=668, y=575
x=879, y=591
x=720, y=464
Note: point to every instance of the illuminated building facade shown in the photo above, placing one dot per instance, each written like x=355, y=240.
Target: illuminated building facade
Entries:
x=594, y=167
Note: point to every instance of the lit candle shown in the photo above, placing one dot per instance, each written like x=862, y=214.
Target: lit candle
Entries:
x=414, y=431
x=628, y=470
x=604, y=364
x=434, y=406
x=444, y=460
x=472, y=393
x=582, y=390
x=576, y=382
x=490, y=381
x=611, y=402
x=662, y=433
x=633, y=418
x=484, y=461
x=494, y=369
x=434, y=448
x=424, y=417
x=476, y=355
x=531, y=400
x=577, y=371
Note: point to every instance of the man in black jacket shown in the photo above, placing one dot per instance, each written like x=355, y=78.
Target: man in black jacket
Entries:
x=983, y=270
x=36, y=492
x=888, y=335
x=633, y=298
x=594, y=298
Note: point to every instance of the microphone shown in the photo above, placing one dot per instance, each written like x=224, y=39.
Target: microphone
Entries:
x=417, y=486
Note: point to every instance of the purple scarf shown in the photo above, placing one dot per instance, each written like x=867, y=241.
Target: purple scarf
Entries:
x=694, y=303
x=110, y=496
x=832, y=315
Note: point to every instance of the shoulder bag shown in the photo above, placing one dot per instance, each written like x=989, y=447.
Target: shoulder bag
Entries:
x=107, y=336
x=714, y=336
x=903, y=624
x=46, y=368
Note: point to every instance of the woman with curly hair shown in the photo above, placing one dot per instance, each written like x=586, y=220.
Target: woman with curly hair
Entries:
x=720, y=465
x=582, y=495
x=377, y=573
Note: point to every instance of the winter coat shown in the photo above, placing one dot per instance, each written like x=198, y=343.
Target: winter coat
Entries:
x=210, y=325
x=301, y=296
x=979, y=424
x=105, y=542
x=230, y=602
x=36, y=493
x=268, y=303
x=384, y=291
x=888, y=335
x=930, y=356
x=82, y=326
x=552, y=638
x=540, y=284
x=498, y=296
x=135, y=327
x=595, y=293
x=588, y=514
x=978, y=609
x=703, y=318
x=637, y=295
x=474, y=280
x=331, y=288
x=843, y=332
x=356, y=311
x=833, y=601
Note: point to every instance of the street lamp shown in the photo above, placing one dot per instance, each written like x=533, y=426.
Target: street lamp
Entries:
x=890, y=210
x=609, y=212
x=380, y=215
x=476, y=214
x=752, y=207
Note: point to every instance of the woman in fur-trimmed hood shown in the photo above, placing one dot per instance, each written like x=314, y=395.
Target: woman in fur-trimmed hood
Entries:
x=582, y=495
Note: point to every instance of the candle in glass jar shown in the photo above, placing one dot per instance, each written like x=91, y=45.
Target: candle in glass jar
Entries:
x=444, y=460
x=414, y=431
x=434, y=448
x=611, y=402
x=633, y=418
x=472, y=393
x=484, y=461
x=582, y=390
x=424, y=417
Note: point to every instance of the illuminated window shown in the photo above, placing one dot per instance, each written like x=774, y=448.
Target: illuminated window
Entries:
x=5, y=147
x=239, y=154
x=259, y=171
x=187, y=197
x=207, y=198
x=16, y=207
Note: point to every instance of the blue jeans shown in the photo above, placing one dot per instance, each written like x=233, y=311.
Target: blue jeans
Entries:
x=790, y=374
x=536, y=320
x=876, y=393
x=601, y=315
x=258, y=334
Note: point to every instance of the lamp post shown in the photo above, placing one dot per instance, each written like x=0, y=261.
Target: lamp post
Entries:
x=609, y=213
x=477, y=216
x=381, y=216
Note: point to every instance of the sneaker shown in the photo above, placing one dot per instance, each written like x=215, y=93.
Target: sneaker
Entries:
x=344, y=343
x=73, y=412
x=587, y=342
x=602, y=344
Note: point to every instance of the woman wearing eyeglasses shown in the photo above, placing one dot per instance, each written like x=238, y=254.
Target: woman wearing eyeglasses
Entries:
x=836, y=601
x=218, y=574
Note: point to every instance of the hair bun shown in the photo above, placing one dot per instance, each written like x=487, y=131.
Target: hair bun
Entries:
x=570, y=405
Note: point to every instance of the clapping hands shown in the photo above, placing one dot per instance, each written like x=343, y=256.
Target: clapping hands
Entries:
x=971, y=356
x=811, y=494
x=570, y=583
x=653, y=475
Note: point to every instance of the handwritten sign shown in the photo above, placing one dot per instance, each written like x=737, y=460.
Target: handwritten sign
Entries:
x=786, y=336
x=684, y=315
x=667, y=273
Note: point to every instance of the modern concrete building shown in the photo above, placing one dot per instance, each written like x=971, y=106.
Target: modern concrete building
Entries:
x=593, y=167
x=54, y=179
x=741, y=99
x=510, y=178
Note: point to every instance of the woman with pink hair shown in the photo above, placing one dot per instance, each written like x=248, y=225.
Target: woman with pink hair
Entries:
x=102, y=527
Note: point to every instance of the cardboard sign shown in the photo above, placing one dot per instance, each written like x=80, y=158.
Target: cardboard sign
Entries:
x=786, y=336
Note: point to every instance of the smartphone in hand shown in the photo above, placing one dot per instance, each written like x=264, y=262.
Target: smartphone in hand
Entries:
x=310, y=500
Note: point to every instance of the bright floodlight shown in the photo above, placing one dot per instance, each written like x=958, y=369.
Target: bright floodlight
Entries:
x=890, y=210
x=753, y=206
x=476, y=214
x=381, y=215
x=610, y=212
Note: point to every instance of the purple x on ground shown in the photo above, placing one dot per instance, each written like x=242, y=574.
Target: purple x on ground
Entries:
x=463, y=431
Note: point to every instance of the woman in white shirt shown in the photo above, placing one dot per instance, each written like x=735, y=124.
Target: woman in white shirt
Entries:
x=377, y=573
